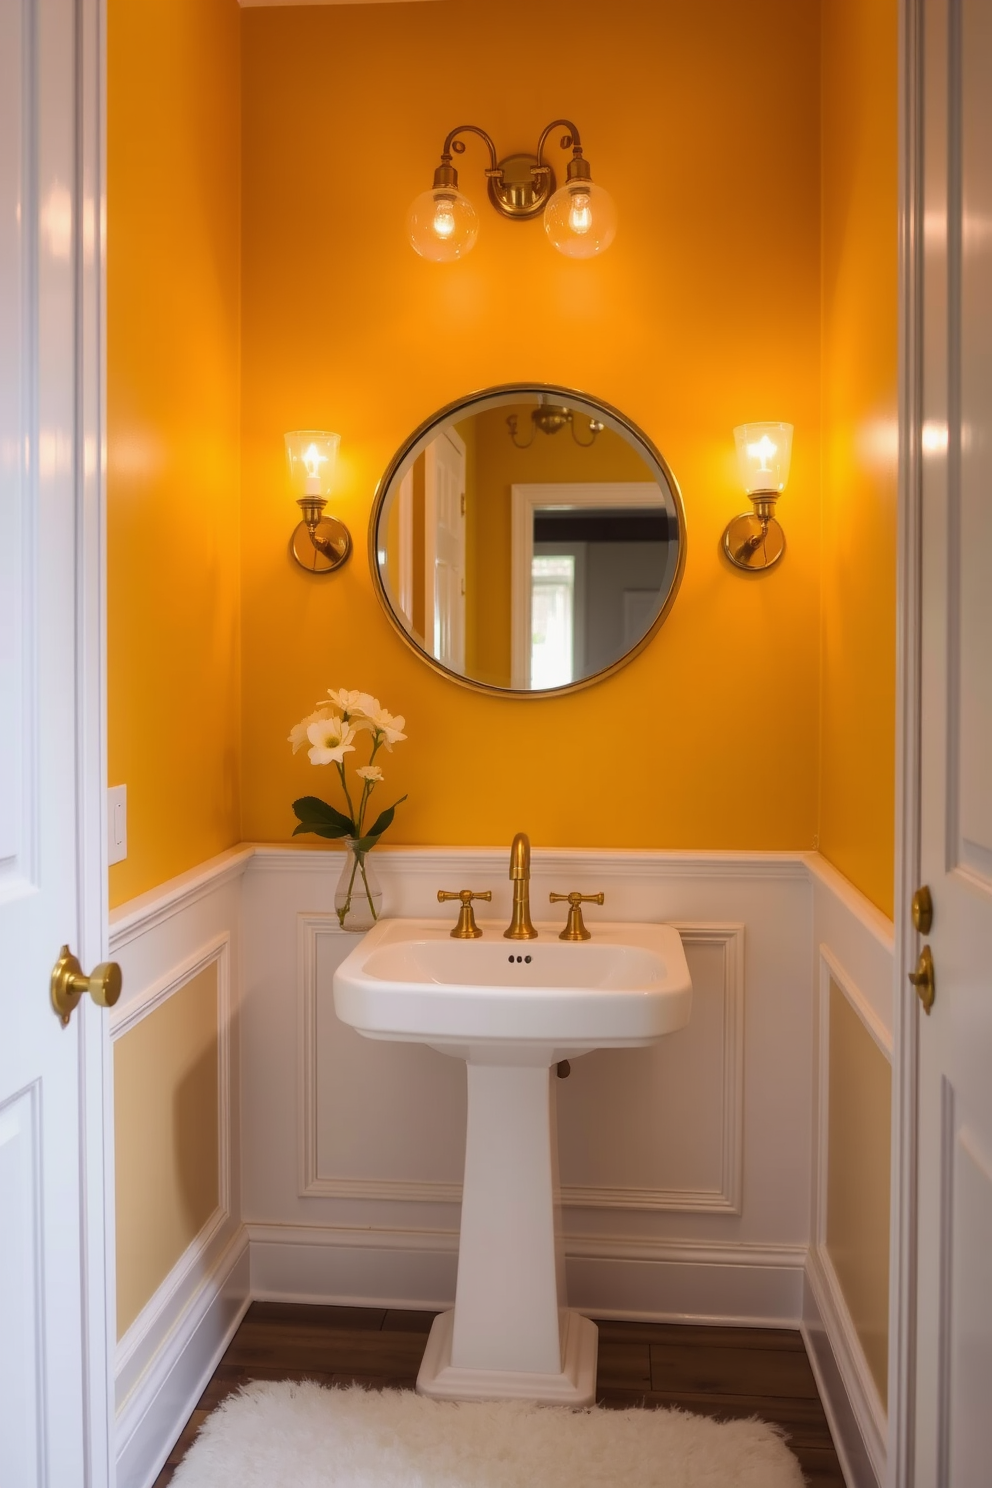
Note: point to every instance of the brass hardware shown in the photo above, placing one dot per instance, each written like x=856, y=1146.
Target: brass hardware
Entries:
x=520, y=185
x=575, y=927
x=319, y=544
x=550, y=418
x=520, y=927
x=563, y=1069
x=69, y=982
x=923, y=980
x=466, y=929
x=922, y=910
x=754, y=540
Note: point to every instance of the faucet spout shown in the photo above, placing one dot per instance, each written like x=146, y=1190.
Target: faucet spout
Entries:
x=520, y=927
x=520, y=856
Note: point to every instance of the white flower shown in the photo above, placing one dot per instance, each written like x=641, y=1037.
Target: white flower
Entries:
x=352, y=704
x=388, y=730
x=298, y=734
x=371, y=773
x=331, y=739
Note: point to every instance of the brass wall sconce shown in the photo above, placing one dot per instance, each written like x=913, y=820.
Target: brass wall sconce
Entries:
x=754, y=540
x=580, y=218
x=550, y=418
x=319, y=544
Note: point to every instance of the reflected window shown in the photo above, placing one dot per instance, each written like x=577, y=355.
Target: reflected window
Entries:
x=552, y=652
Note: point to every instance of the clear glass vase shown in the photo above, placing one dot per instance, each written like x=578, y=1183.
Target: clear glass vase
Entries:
x=358, y=896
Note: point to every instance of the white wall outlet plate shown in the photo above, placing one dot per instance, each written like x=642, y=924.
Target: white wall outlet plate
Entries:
x=116, y=823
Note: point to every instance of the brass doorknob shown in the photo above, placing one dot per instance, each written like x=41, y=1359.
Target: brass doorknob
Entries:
x=69, y=982
x=922, y=979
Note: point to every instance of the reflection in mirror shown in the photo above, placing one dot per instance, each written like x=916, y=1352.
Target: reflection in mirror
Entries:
x=528, y=540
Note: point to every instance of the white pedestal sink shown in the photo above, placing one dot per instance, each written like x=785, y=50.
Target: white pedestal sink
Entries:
x=512, y=1010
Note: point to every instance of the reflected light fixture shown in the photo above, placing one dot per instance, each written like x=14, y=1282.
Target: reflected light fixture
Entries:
x=579, y=217
x=319, y=544
x=550, y=418
x=755, y=540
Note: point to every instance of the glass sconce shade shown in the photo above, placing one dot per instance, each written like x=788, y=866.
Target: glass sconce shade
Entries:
x=764, y=452
x=442, y=225
x=311, y=455
x=581, y=219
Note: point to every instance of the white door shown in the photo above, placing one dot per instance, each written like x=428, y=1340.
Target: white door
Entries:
x=954, y=1257
x=444, y=549
x=54, y=1353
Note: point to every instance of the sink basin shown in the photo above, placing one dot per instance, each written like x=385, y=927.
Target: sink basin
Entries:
x=551, y=999
x=512, y=1010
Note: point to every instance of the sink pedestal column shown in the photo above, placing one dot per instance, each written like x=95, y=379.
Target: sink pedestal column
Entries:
x=510, y=1335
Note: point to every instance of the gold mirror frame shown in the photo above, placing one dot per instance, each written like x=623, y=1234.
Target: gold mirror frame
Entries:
x=596, y=408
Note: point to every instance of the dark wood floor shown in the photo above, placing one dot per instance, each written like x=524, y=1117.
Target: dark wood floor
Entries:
x=720, y=1372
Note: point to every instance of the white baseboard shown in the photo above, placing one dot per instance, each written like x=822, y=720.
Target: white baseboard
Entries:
x=158, y=1406
x=850, y=1400
x=607, y=1277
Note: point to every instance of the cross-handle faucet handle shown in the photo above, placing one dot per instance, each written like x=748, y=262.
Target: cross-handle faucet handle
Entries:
x=466, y=929
x=575, y=926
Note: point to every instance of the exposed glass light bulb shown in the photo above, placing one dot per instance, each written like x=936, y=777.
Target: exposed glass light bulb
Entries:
x=313, y=459
x=581, y=219
x=442, y=225
x=580, y=212
x=444, y=217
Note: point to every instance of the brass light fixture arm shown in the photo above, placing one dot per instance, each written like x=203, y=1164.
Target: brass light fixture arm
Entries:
x=594, y=426
x=511, y=422
x=446, y=175
x=569, y=141
x=520, y=185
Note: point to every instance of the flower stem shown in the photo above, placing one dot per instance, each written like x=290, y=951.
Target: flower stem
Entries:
x=344, y=787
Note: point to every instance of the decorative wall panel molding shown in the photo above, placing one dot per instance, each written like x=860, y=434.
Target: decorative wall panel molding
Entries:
x=855, y=953
x=177, y=1291
x=709, y=1078
x=163, y=941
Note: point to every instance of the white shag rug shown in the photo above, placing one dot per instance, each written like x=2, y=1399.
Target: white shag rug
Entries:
x=286, y=1435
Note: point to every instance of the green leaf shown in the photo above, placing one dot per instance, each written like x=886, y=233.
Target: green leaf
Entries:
x=324, y=821
x=383, y=820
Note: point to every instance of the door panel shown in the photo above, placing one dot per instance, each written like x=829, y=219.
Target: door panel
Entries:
x=54, y=1429
x=954, y=1225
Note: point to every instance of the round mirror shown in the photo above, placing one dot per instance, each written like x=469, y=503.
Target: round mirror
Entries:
x=527, y=540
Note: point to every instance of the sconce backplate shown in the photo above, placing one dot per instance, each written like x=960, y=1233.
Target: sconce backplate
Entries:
x=329, y=548
x=521, y=194
x=753, y=543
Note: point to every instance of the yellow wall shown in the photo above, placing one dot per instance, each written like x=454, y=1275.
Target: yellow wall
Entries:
x=859, y=1132
x=173, y=273
x=857, y=786
x=704, y=312
x=166, y=1138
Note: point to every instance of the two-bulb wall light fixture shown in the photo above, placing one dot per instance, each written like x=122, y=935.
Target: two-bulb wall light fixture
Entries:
x=755, y=540
x=319, y=544
x=580, y=218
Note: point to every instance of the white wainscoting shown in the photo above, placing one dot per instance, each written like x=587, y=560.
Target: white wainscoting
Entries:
x=685, y=1169
x=163, y=1361
x=853, y=946
x=691, y=1176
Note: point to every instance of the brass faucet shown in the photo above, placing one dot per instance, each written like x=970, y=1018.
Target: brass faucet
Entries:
x=520, y=927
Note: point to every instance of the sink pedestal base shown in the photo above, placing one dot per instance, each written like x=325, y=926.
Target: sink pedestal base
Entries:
x=575, y=1385
x=510, y=1335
